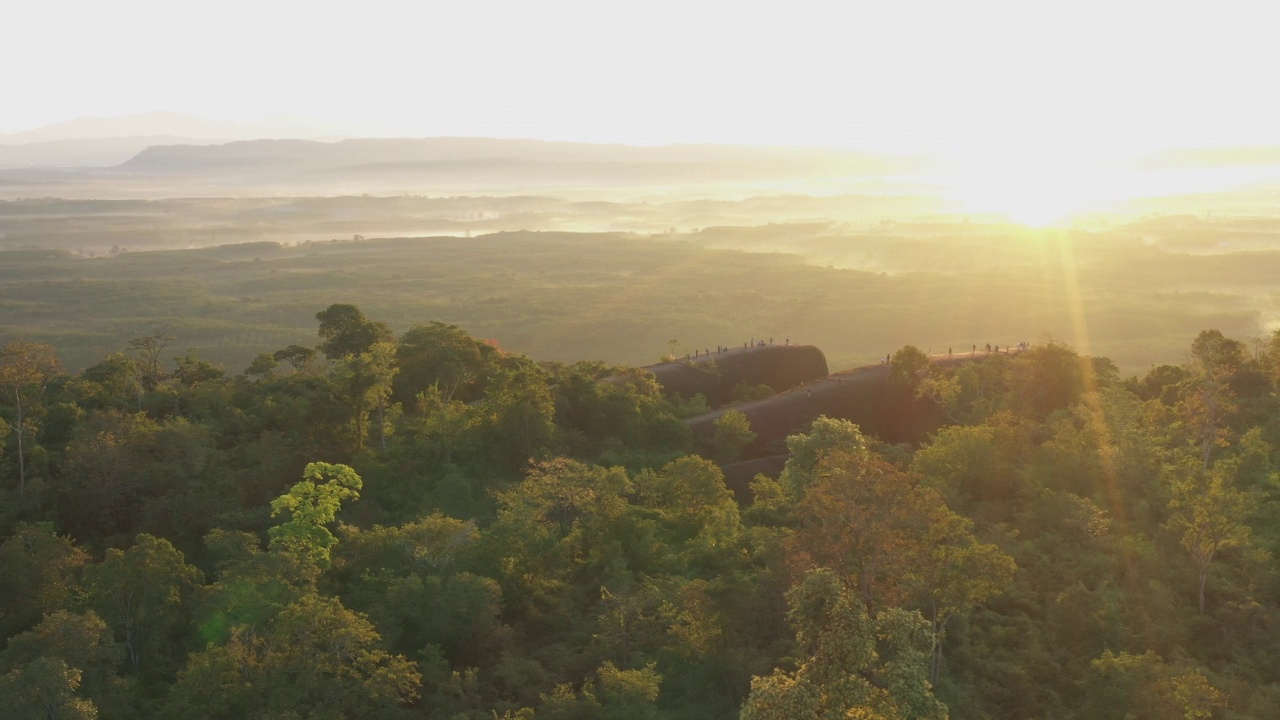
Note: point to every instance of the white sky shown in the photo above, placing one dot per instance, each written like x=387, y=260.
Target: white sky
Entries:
x=960, y=75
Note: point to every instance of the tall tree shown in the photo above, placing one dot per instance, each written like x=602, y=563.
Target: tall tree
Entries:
x=45, y=689
x=440, y=355
x=38, y=569
x=732, y=433
x=25, y=368
x=852, y=664
x=826, y=435
x=952, y=573
x=149, y=349
x=312, y=504
x=1127, y=686
x=867, y=520
x=364, y=382
x=316, y=659
x=83, y=642
x=299, y=358
x=139, y=592
x=908, y=367
x=344, y=330
x=521, y=412
x=1208, y=513
x=689, y=493
x=1210, y=399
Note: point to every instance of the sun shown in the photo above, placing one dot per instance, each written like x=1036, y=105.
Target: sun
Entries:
x=1035, y=202
x=1032, y=182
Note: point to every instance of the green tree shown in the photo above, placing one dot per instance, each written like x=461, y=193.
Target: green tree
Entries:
x=83, y=643
x=139, y=592
x=445, y=429
x=826, y=435
x=908, y=367
x=110, y=383
x=852, y=665
x=1208, y=514
x=299, y=358
x=262, y=367
x=45, y=689
x=550, y=527
x=149, y=349
x=38, y=569
x=125, y=473
x=732, y=434
x=312, y=504
x=364, y=382
x=521, y=412
x=867, y=520
x=966, y=461
x=1209, y=399
x=316, y=659
x=953, y=573
x=690, y=495
x=25, y=369
x=442, y=356
x=1127, y=686
x=190, y=371
x=617, y=695
x=344, y=330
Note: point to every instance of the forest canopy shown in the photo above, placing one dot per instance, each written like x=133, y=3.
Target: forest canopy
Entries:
x=425, y=525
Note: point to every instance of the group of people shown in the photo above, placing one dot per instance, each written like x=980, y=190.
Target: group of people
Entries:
x=989, y=347
x=720, y=349
x=1007, y=348
x=887, y=358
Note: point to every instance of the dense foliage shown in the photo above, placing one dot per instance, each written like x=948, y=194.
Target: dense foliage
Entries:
x=430, y=527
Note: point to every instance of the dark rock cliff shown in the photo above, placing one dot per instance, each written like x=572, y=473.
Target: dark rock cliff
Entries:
x=781, y=367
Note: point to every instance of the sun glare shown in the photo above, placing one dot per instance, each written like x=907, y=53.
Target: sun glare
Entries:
x=1032, y=181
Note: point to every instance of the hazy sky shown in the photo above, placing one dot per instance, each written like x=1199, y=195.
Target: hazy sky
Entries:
x=962, y=75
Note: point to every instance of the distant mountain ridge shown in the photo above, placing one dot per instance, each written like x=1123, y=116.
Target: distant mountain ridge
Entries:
x=507, y=158
x=107, y=141
x=182, y=154
x=86, y=152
